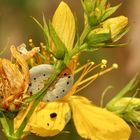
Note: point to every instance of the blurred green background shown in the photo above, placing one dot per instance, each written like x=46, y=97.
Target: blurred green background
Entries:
x=17, y=26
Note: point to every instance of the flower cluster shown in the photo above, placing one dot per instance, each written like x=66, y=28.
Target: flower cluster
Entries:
x=38, y=90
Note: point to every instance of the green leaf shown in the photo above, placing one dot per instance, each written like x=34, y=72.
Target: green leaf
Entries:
x=109, y=12
x=130, y=86
x=127, y=89
x=60, y=49
x=89, y=11
x=44, y=29
x=46, y=34
x=89, y=5
x=36, y=21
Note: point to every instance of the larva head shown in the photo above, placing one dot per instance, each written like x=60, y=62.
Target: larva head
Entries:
x=65, y=72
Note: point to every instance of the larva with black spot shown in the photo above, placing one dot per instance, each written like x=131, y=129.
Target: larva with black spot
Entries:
x=39, y=76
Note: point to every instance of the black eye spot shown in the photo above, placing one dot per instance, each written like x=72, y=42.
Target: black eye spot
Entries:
x=44, y=74
x=69, y=76
x=67, y=83
x=34, y=78
x=65, y=74
x=63, y=90
x=53, y=115
x=1, y=97
x=48, y=124
x=48, y=100
x=31, y=93
x=57, y=97
x=30, y=84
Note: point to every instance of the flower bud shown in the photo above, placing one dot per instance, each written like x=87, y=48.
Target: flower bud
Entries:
x=96, y=11
x=98, y=36
x=115, y=25
x=112, y=30
x=129, y=109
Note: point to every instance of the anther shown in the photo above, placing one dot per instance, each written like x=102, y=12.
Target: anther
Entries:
x=78, y=64
x=92, y=63
x=41, y=44
x=104, y=61
x=115, y=66
x=30, y=40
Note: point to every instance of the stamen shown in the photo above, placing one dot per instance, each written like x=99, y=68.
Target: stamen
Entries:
x=114, y=66
x=84, y=66
x=88, y=68
x=31, y=44
x=30, y=40
x=104, y=62
x=41, y=44
x=85, y=85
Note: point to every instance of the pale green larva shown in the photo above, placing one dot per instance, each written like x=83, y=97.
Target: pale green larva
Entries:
x=39, y=76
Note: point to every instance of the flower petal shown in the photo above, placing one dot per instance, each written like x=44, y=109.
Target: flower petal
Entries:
x=14, y=79
x=48, y=119
x=64, y=24
x=18, y=79
x=96, y=123
x=27, y=54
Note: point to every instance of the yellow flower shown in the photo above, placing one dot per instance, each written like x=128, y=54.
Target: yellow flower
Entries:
x=91, y=122
x=64, y=25
x=14, y=79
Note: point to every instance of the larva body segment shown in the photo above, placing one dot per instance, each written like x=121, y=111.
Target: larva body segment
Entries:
x=39, y=76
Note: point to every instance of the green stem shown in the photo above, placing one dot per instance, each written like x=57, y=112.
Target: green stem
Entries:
x=78, y=49
x=84, y=34
x=19, y=132
x=12, y=138
x=4, y=123
x=80, y=43
x=11, y=126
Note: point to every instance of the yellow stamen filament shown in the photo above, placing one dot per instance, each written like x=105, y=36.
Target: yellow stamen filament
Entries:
x=87, y=68
x=114, y=66
x=86, y=85
x=36, y=57
x=94, y=77
x=83, y=67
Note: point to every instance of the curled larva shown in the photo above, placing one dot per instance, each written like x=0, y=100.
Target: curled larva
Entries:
x=39, y=76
